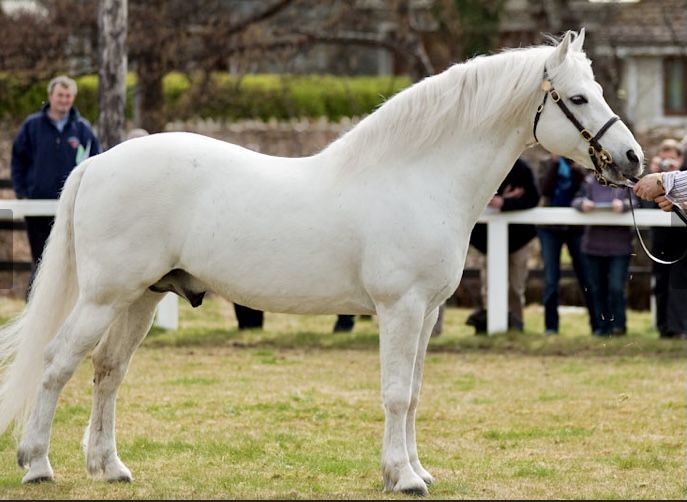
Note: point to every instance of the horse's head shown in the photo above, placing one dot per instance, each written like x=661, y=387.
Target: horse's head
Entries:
x=575, y=121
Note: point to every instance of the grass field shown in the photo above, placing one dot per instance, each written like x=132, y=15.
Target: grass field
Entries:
x=293, y=411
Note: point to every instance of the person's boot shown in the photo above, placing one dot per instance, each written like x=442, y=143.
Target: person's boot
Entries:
x=344, y=323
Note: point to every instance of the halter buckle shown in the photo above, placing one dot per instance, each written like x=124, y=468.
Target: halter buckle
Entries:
x=586, y=135
x=591, y=151
x=605, y=156
x=602, y=181
x=555, y=96
x=546, y=85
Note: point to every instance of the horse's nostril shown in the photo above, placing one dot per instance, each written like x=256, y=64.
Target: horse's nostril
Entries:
x=632, y=156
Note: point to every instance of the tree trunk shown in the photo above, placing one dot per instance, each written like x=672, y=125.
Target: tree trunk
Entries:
x=150, y=75
x=112, y=31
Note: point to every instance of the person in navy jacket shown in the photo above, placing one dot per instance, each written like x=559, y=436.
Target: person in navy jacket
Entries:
x=49, y=145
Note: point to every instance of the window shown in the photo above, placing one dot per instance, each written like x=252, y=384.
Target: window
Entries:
x=675, y=86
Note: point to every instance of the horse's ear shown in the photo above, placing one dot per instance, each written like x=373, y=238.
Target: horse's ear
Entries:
x=579, y=41
x=561, y=51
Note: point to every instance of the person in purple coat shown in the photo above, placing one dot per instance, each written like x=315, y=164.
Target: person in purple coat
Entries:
x=607, y=251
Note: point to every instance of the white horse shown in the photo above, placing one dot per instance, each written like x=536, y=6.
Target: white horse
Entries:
x=376, y=223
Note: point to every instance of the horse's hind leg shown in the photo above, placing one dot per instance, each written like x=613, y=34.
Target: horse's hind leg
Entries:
x=78, y=335
x=110, y=362
x=427, y=327
x=400, y=325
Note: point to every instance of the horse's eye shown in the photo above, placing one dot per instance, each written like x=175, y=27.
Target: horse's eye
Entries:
x=578, y=99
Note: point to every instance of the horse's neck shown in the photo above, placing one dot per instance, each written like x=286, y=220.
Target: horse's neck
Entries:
x=426, y=133
x=471, y=166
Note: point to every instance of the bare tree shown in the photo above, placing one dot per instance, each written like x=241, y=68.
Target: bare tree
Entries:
x=112, y=30
x=173, y=34
x=207, y=36
x=56, y=36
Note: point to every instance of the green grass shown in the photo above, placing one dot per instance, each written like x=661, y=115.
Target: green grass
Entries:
x=293, y=411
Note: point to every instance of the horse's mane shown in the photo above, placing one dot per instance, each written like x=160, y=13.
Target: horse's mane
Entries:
x=484, y=90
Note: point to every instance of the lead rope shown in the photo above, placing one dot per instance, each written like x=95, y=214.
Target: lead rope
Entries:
x=677, y=211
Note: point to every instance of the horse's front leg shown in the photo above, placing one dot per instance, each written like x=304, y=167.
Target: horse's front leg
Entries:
x=400, y=325
x=425, y=335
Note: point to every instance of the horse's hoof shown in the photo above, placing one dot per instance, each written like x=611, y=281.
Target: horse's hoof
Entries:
x=117, y=472
x=37, y=480
x=108, y=468
x=418, y=490
x=428, y=479
x=422, y=472
x=121, y=479
x=39, y=472
x=404, y=480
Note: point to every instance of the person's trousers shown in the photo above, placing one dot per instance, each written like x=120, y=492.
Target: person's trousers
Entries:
x=247, y=317
x=607, y=280
x=37, y=230
x=670, y=290
x=551, y=243
x=517, y=282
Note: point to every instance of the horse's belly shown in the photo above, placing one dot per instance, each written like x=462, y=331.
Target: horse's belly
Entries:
x=282, y=282
x=295, y=299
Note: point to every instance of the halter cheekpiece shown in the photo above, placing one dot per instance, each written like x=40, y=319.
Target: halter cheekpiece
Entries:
x=600, y=157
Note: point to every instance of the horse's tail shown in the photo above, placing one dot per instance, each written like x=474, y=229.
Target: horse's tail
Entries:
x=53, y=295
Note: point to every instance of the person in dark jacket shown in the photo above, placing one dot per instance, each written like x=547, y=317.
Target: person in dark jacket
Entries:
x=518, y=191
x=607, y=251
x=560, y=180
x=48, y=146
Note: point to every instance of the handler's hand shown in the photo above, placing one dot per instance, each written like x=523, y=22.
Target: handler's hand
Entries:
x=618, y=206
x=648, y=188
x=496, y=202
x=664, y=203
x=513, y=193
x=587, y=205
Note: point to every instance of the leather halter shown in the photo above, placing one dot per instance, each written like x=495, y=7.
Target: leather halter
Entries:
x=600, y=157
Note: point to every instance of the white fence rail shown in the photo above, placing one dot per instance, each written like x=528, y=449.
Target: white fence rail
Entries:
x=497, y=237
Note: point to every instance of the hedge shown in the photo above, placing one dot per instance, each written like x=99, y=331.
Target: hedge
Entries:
x=223, y=97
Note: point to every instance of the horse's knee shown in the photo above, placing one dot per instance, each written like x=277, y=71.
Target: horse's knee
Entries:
x=396, y=402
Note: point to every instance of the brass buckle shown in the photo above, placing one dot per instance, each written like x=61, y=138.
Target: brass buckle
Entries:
x=546, y=85
x=555, y=97
x=591, y=151
x=586, y=135
x=605, y=156
x=602, y=181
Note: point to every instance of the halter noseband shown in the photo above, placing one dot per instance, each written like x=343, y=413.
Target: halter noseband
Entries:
x=601, y=158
